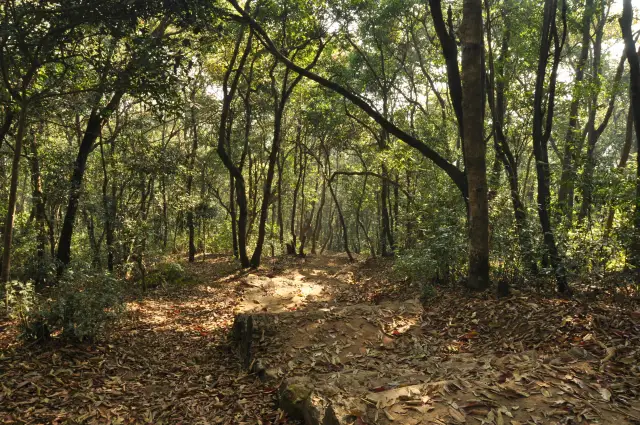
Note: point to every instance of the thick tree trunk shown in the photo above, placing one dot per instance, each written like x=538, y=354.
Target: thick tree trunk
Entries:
x=474, y=144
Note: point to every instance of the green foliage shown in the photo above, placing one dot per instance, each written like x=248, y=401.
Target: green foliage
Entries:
x=427, y=292
x=77, y=309
x=20, y=300
x=437, y=264
x=168, y=273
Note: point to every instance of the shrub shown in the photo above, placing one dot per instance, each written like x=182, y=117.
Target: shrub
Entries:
x=20, y=299
x=427, y=292
x=172, y=272
x=78, y=308
x=164, y=274
x=414, y=265
x=427, y=265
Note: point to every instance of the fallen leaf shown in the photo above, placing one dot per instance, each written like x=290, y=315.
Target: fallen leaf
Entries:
x=606, y=394
x=457, y=416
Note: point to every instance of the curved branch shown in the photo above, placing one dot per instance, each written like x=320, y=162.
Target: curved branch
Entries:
x=451, y=170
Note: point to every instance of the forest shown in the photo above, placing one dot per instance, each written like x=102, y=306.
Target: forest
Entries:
x=320, y=212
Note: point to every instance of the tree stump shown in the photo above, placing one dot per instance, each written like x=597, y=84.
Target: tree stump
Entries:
x=242, y=336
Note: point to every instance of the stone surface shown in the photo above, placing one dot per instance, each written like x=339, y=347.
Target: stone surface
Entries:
x=298, y=398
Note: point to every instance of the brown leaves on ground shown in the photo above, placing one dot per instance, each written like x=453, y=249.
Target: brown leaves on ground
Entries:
x=354, y=334
x=168, y=362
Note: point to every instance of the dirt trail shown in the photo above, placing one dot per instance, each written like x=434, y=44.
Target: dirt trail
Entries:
x=342, y=344
x=393, y=363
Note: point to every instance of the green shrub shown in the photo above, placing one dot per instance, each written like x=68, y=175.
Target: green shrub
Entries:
x=428, y=265
x=427, y=292
x=77, y=308
x=169, y=273
x=172, y=272
x=417, y=266
x=20, y=299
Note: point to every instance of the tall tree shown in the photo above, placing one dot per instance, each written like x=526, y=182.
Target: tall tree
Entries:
x=99, y=116
x=474, y=143
x=567, y=179
x=542, y=125
x=634, y=89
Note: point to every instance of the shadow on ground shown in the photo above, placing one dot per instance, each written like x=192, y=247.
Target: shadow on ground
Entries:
x=327, y=331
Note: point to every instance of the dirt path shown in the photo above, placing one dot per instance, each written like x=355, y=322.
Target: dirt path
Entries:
x=526, y=359
x=341, y=343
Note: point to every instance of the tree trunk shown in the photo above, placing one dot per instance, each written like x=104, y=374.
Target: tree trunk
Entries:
x=280, y=102
x=594, y=132
x=634, y=87
x=450, y=53
x=343, y=223
x=497, y=105
x=542, y=131
x=279, y=211
x=318, y=226
x=297, y=165
x=91, y=133
x=359, y=223
x=474, y=144
x=232, y=213
x=191, y=170
x=39, y=207
x=266, y=192
x=236, y=172
x=13, y=192
x=165, y=212
x=109, y=205
x=567, y=179
x=6, y=124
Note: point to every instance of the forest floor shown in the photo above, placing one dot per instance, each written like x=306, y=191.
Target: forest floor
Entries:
x=339, y=341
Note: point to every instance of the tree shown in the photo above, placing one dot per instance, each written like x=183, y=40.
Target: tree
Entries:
x=474, y=143
x=634, y=89
x=542, y=125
